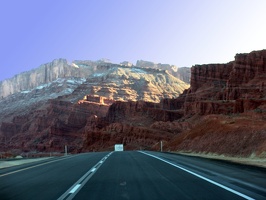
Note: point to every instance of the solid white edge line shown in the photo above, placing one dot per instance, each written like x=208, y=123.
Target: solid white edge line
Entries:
x=202, y=177
x=75, y=189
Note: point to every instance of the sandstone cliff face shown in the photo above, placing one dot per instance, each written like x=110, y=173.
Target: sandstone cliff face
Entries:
x=46, y=73
x=226, y=88
x=114, y=82
x=247, y=79
x=42, y=75
x=105, y=79
x=122, y=83
x=222, y=112
x=211, y=75
x=183, y=73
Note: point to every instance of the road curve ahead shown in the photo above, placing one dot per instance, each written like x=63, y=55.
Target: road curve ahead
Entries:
x=132, y=175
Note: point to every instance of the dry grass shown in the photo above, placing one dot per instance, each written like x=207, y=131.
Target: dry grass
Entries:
x=252, y=160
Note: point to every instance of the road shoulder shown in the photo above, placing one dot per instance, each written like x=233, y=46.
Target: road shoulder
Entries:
x=252, y=161
x=11, y=163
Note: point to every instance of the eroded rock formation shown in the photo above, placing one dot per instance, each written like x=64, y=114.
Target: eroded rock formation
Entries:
x=65, y=107
x=230, y=102
x=223, y=112
x=98, y=70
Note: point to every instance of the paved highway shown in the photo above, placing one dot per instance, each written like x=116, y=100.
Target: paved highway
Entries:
x=132, y=175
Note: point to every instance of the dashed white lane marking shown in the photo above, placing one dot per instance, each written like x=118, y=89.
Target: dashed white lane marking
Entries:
x=202, y=177
x=93, y=169
x=74, y=189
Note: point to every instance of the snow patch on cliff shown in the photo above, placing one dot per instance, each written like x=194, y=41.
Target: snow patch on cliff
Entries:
x=25, y=92
x=75, y=65
x=43, y=86
x=98, y=74
x=70, y=85
x=22, y=101
x=74, y=81
x=140, y=71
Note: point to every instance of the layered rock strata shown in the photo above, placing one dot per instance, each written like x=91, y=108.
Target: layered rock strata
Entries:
x=223, y=111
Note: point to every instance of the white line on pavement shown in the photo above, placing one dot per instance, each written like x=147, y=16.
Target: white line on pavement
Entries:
x=76, y=187
x=199, y=176
x=93, y=169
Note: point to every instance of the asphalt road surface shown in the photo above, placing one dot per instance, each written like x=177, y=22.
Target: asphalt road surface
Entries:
x=132, y=175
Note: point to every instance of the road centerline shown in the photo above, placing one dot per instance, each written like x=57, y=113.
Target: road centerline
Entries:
x=93, y=169
x=73, y=190
x=200, y=176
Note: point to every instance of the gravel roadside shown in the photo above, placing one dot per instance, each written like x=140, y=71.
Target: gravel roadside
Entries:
x=253, y=161
x=11, y=163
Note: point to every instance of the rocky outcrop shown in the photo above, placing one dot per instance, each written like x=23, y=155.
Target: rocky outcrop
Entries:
x=148, y=64
x=60, y=68
x=226, y=88
x=226, y=106
x=44, y=74
x=34, y=120
x=220, y=112
x=122, y=83
x=183, y=73
x=126, y=63
x=117, y=82
x=47, y=73
x=211, y=75
x=20, y=103
x=248, y=77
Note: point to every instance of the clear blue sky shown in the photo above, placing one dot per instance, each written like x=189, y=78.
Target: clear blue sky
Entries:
x=179, y=32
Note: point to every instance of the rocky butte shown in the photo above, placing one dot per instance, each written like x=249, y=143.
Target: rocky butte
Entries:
x=222, y=112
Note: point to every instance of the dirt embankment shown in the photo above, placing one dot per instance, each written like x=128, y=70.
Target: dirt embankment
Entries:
x=236, y=135
x=252, y=160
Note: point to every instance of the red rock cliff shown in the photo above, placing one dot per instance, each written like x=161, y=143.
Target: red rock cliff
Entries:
x=235, y=87
x=248, y=76
x=226, y=108
x=227, y=88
